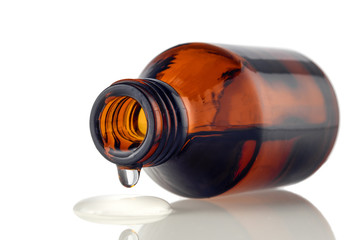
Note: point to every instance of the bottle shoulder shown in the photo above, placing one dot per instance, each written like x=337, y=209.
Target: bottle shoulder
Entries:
x=210, y=80
x=193, y=66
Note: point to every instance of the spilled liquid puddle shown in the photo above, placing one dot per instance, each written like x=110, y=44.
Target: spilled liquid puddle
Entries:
x=122, y=209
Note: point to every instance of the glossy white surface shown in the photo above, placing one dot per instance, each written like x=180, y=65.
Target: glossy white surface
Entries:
x=275, y=214
x=272, y=214
x=56, y=56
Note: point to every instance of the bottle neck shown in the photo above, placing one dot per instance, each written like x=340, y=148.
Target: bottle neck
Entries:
x=138, y=123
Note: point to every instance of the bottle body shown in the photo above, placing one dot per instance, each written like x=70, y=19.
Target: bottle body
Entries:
x=251, y=118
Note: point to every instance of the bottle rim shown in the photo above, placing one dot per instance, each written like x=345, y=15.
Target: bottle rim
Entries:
x=166, y=122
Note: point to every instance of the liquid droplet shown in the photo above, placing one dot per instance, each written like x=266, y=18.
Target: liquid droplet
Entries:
x=129, y=234
x=129, y=177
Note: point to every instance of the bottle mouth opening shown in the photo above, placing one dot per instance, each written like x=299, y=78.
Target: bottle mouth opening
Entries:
x=138, y=122
x=123, y=123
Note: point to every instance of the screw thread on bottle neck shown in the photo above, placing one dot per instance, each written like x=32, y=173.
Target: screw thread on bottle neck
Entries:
x=138, y=123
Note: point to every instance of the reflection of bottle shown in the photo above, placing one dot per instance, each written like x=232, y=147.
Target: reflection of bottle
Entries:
x=263, y=215
x=207, y=119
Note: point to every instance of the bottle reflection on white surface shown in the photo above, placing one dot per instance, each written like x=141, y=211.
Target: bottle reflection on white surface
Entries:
x=259, y=215
x=129, y=234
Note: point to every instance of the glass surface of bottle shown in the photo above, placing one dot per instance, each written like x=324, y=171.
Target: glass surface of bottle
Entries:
x=207, y=119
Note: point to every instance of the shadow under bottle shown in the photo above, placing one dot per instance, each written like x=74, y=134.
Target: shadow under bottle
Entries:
x=257, y=215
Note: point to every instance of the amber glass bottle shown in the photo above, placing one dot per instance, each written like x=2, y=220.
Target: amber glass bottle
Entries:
x=206, y=119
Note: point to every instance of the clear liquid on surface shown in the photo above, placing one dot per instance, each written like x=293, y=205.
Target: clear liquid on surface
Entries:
x=122, y=209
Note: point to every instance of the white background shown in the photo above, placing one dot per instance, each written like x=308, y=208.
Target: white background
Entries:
x=56, y=57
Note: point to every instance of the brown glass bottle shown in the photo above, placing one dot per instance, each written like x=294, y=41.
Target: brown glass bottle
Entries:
x=205, y=119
